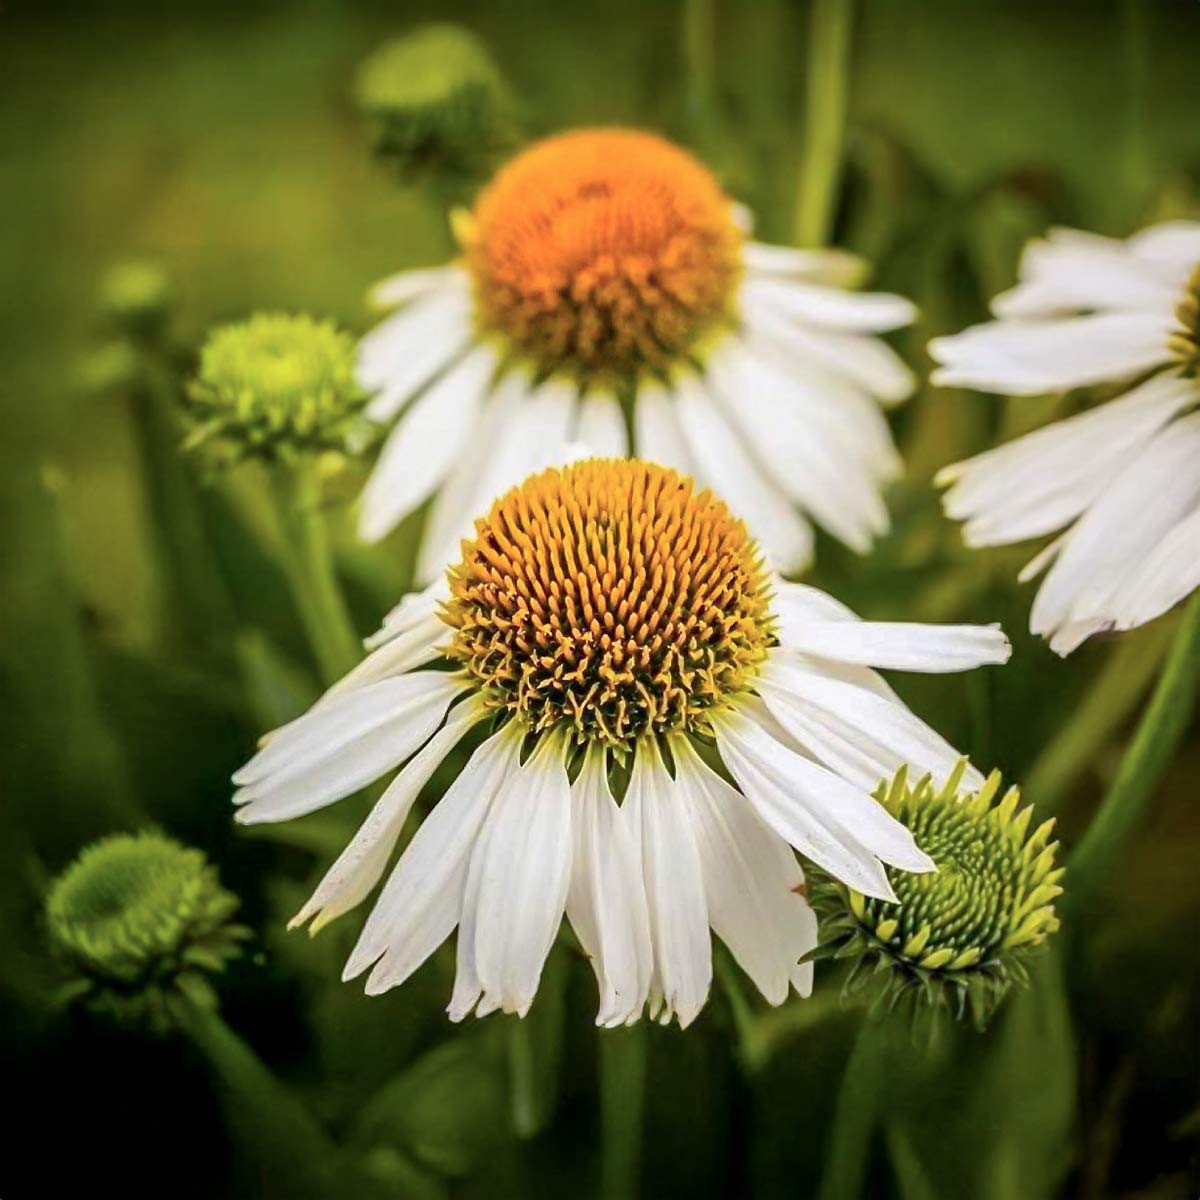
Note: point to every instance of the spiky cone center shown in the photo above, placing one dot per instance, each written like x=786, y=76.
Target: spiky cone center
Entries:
x=436, y=100
x=603, y=250
x=609, y=599
x=136, y=914
x=1185, y=338
x=958, y=934
x=275, y=384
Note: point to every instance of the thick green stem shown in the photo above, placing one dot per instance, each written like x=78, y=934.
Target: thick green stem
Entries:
x=1110, y=699
x=309, y=566
x=1162, y=728
x=292, y=1153
x=826, y=92
x=622, y=1054
x=856, y=1115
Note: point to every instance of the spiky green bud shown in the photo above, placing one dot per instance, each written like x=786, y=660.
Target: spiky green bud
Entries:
x=437, y=104
x=274, y=386
x=958, y=937
x=141, y=921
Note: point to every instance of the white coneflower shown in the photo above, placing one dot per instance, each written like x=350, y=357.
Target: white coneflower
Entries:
x=1122, y=480
x=606, y=615
x=606, y=289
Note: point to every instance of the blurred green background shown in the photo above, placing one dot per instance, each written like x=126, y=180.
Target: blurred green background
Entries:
x=220, y=139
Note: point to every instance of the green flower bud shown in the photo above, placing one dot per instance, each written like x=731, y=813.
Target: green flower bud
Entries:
x=958, y=937
x=136, y=296
x=140, y=921
x=437, y=105
x=274, y=386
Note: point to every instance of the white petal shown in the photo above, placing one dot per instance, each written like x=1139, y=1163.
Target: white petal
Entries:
x=751, y=879
x=425, y=443
x=725, y=466
x=865, y=361
x=661, y=817
x=1044, y=480
x=840, y=827
x=404, y=351
x=361, y=865
x=657, y=435
x=413, y=610
x=1027, y=358
x=420, y=644
x=523, y=885
x=1169, y=573
x=800, y=602
x=1172, y=246
x=838, y=268
x=901, y=646
x=861, y=735
x=322, y=774
x=422, y=901
x=606, y=904
x=601, y=425
x=410, y=285
x=855, y=312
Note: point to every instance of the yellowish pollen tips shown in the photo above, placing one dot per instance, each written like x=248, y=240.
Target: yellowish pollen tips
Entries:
x=610, y=600
x=1185, y=338
x=603, y=250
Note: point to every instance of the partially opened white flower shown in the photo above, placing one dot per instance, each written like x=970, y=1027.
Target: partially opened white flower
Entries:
x=1122, y=480
x=608, y=621
x=608, y=294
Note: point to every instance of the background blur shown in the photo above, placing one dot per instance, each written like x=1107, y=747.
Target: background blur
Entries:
x=220, y=140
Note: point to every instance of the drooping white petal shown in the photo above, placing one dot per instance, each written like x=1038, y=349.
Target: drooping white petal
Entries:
x=1028, y=358
x=1156, y=491
x=837, y=268
x=836, y=308
x=664, y=830
x=601, y=425
x=406, y=286
x=404, y=351
x=1044, y=480
x=724, y=465
x=524, y=880
x=458, y=503
x=425, y=443
x=752, y=881
x=1171, y=246
x=657, y=435
x=900, y=646
x=606, y=903
x=1169, y=573
x=408, y=710
x=853, y=730
x=840, y=827
x=361, y=864
x=422, y=901
x=418, y=645
x=413, y=610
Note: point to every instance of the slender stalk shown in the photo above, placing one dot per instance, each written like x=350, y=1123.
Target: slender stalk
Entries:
x=288, y=1147
x=522, y=1063
x=1139, y=169
x=1110, y=699
x=700, y=58
x=826, y=90
x=309, y=566
x=1158, y=735
x=856, y=1115
x=622, y=1054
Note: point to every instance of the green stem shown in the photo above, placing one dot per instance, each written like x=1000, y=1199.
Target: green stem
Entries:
x=288, y=1147
x=309, y=566
x=1139, y=169
x=1162, y=728
x=826, y=90
x=1109, y=700
x=700, y=58
x=622, y=1054
x=522, y=1064
x=856, y=1115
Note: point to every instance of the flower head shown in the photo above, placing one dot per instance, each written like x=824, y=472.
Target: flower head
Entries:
x=135, y=296
x=141, y=920
x=609, y=293
x=437, y=103
x=273, y=386
x=615, y=629
x=958, y=936
x=1118, y=483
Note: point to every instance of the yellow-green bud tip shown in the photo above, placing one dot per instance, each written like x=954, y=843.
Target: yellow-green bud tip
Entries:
x=136, y=296
x=437, y=103
x=140, y=920
x=273, y=386
x=958, y=936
